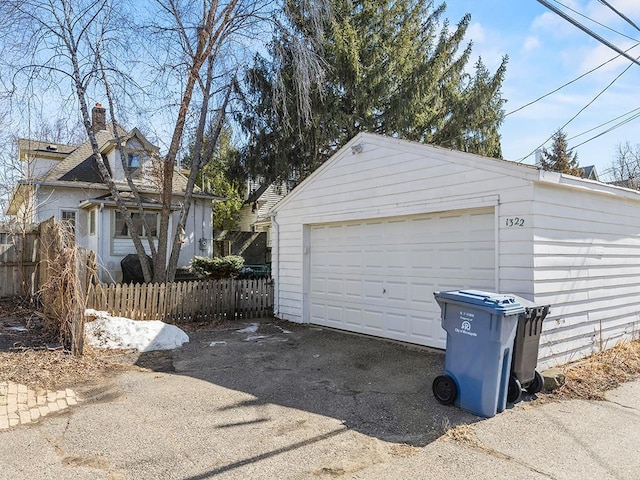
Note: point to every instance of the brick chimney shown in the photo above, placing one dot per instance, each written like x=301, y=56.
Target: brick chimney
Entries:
x=99, y=118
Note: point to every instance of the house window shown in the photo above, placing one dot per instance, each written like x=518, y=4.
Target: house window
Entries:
x=122, y=229
x=92, y=222
x=133, y=161
x=69, y=216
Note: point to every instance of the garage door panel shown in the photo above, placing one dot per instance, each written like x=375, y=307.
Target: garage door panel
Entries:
x=317, y=286
x=373, y=289
x=397, y=323
x=374, y=321
x=421, y=294
x=396, y=290
x=335, y=286
x=378, y=277
x=353, y=316
x=353, y=288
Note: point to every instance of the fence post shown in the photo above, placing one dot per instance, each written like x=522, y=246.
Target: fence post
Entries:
x=231, y=299
x=77, y=322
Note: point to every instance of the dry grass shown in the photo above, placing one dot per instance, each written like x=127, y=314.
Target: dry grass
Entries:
x=33, y=355
x=462, y=433
x=591, y=377
x=54, y=369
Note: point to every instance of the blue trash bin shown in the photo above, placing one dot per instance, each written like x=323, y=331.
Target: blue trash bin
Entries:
x=481, y=327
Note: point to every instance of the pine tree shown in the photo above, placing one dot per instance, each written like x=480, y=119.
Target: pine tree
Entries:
x=393, y=67
x=559, y=158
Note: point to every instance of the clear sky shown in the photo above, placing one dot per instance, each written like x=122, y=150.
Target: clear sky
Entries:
x=545, y=52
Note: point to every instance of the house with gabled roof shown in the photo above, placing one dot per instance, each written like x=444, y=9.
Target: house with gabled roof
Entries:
x=251, y=236
x=63, y=181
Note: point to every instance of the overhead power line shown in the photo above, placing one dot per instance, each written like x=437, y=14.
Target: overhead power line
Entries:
x=620, y=124
x=569, y=83
x=588, y=31
x=579, y=111
x=620, y=14
x=637, y=109
x=595, y=21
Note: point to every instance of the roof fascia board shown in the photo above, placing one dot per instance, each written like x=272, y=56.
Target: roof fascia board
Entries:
x=569, y=181
x=100, y=186
x=422, y=149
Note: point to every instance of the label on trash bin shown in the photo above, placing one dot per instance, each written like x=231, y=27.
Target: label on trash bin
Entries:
x=466, y=324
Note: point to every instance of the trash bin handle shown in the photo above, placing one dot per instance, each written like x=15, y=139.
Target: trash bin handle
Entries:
x=492, y=299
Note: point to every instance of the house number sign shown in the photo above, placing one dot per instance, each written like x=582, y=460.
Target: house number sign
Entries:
x=514, y=222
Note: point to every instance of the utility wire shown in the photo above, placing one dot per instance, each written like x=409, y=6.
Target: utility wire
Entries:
x=605, y=123
x=579, y=111
x=624, y=122
x=570, y=82
x=588, y=31
x=620, y=14
x=595, y=21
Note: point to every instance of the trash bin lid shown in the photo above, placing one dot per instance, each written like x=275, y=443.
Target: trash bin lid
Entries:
x=501, y=303
x=533, y=310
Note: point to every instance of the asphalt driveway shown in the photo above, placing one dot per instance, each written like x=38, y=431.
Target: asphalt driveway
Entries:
x=271, y=400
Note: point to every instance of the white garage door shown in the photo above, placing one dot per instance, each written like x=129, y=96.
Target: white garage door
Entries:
x=378, y=276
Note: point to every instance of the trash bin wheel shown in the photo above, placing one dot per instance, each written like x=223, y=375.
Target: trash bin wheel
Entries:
x=445, y=389
x=514, y=391
x=536, y=384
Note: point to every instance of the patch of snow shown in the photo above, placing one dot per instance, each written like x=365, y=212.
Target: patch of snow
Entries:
x=213, y=344
x=252, y=338
x=17, y=329
x=253, y=328
x=283, y=330
x=123, y=333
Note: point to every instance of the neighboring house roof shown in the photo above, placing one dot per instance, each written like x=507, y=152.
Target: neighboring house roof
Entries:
x=590, y=173
x=256, y=194
x=85, y=171
x=77, y=163
x=28, y=146
x=128, y=197
x=82, y=153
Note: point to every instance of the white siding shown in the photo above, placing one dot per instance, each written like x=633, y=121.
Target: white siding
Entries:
x=573, y=244
x=586, y=260
x=393, y=178
x=247, y=217
x=110, y=251
x=39, y=167
x=51, y=202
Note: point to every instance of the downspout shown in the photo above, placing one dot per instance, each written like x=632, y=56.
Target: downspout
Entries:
x=36, y=216
x=275, y=264
x=99, y=221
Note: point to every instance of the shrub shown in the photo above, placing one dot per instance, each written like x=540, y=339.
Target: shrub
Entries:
x=217, y=267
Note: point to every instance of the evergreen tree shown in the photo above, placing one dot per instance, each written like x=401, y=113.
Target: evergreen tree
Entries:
x=393, y=67
x=221, y=176
x=559, y=158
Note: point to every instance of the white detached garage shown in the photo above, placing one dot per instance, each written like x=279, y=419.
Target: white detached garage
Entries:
x=362, y=244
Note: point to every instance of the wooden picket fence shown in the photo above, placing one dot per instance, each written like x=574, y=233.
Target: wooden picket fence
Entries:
x=182, y=302
x=19, y=259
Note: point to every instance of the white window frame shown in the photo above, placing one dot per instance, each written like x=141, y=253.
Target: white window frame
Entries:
x=74, y=221
x=142, y=233
x=131, y=154
x=93, y=214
